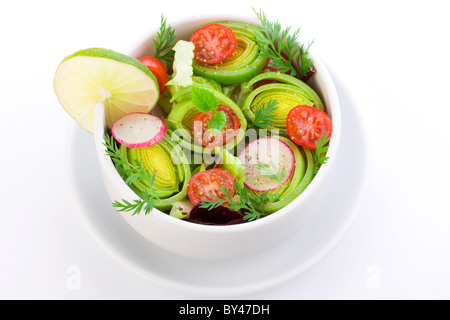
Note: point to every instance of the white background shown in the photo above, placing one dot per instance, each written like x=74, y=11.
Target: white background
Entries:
x=394, y=58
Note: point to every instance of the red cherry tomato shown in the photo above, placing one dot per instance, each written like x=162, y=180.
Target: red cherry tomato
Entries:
x=213, y=43
x=205, y=183
x=210, y=139
x=158, y=70
x=306, y=124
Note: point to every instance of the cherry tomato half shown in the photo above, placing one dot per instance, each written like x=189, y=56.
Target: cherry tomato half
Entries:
x=158, y=70
x=213, y=43
x=306, y=124
x=210, y=139
x=205, y=183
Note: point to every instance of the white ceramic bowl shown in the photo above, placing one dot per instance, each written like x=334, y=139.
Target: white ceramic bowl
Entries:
x=231, y=241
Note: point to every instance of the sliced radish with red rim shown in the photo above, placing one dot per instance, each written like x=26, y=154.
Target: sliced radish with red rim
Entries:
x=270, y=151
x=138, y=130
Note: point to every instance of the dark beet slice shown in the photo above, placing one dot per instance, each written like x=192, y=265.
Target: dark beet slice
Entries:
x=217, y=216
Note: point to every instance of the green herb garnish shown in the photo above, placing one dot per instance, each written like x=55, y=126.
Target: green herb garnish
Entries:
x=271, y=171
x=320, y=153
x=132, y=172
x=217, y=122
x=205, y=101
x=252, y=207
x=164, y=42
x=264, y=114
x=282, y=47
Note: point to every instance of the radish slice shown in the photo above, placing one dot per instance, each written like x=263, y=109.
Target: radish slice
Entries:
x=270, y=151
x=138, y=130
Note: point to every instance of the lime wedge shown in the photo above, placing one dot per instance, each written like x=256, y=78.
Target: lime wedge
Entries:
x=121, y=82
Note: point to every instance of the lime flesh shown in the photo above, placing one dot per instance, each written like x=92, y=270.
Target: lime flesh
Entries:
x=121, y=82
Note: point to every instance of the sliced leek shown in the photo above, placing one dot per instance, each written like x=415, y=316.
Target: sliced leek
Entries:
x=288, y=91
x=166, y=100
x=171, y=177
x=245, y=62
x=181, y=120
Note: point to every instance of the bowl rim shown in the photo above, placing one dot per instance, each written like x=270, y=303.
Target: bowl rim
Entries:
x=318, y=179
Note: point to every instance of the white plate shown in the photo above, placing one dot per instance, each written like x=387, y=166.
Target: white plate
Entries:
x=347, y=188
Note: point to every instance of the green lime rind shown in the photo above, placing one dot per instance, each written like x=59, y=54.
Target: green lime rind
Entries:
x=113, y=55
x=94, y=75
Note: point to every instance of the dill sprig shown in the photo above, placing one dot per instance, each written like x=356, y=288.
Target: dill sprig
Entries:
x=281, y=46
x=131, y=173
x=321, y=151
x=164, y=42
x=264, y=114
x=252, y=207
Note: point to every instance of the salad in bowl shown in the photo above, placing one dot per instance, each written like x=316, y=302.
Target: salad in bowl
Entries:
x=215, y=138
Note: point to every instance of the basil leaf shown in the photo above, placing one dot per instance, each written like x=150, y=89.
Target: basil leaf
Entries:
x=204, y=101
x=217, y=122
